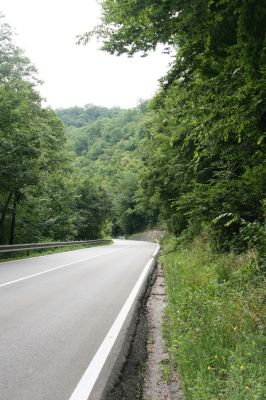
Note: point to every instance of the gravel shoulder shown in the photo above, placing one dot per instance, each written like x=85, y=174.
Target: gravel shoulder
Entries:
x=160, y=380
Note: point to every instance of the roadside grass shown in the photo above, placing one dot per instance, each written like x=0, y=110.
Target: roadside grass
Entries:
x=216, y=316
x=18, y=255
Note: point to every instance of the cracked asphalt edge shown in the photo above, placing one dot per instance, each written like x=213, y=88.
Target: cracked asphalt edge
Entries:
x=125, y=366
x=136, y=370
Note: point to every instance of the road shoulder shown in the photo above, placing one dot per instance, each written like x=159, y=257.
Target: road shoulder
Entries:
x=160, y=380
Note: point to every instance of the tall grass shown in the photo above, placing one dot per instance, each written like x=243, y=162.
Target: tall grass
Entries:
x=215, y=322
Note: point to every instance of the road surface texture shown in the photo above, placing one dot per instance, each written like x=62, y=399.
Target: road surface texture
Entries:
x=55, y=314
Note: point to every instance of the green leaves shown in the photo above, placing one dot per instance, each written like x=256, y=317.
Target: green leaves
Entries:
x=209, y=122
x=32, y=152
x=132, y=26
x=108, y=146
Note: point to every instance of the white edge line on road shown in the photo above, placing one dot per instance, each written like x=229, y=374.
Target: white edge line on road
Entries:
x=90, y=376
x=54, y=269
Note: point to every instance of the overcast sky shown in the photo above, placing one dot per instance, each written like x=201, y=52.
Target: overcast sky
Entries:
x=78, y=75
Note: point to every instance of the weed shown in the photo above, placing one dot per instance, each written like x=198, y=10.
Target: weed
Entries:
x=166, y=371
x=215, y=303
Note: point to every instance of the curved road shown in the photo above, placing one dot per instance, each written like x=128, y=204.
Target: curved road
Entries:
x=55, y=312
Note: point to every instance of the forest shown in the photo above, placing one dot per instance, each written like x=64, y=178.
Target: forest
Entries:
x=207, y=140
x=191, y=161
x=108, y=145
x=61, y=182
x=205, y=130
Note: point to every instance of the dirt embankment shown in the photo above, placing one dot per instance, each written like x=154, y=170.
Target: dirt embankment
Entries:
x=148, y=236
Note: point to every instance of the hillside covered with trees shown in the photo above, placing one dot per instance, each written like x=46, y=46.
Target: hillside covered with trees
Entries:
x=69, y=174
x=43, y=194
x=109, y=147
x=207, y=142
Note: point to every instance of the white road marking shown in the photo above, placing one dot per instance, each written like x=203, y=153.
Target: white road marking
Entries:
x=54, y=269
x=90, y=376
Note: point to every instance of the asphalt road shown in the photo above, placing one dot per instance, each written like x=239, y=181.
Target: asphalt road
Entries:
x=55, y=312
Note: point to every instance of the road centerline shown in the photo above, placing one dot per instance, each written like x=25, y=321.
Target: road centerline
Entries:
x=55, y=269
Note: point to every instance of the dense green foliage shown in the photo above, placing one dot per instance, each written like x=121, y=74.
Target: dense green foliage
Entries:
x=80, y=116
x=78, y=180
x=108, y=149
x=214, y=321
x=207, y=144
x=205, y=131
x=42, y=194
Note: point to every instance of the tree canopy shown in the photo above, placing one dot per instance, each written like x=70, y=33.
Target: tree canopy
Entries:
x=108, y=149
x=191, y=157
x=206, y=163
x=40, y=195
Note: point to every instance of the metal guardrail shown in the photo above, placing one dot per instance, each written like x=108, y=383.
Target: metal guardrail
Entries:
x=34, y=246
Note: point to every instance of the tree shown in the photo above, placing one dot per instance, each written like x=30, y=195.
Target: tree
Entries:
x=207, y=142
x=92, y=209
x=108, y=150
x=32, y=139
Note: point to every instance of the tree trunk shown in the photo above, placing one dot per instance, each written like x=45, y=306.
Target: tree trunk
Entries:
x=13, y=221
x=2, y=221
x=3, y=216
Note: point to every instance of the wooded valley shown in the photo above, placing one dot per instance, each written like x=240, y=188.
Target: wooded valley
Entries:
x=61, y=183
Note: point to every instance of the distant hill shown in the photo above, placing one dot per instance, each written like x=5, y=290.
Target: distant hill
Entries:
x=107, y=144
x=81, y=116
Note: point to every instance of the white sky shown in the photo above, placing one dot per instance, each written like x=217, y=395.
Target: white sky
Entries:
x=78, y=75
